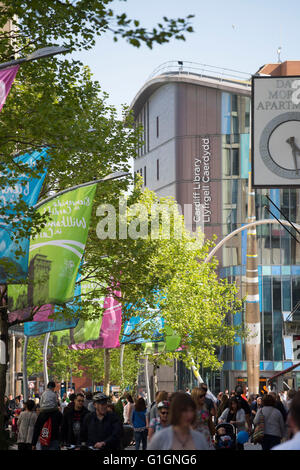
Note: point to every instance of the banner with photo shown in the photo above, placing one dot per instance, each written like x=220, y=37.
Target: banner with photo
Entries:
x=14, y=251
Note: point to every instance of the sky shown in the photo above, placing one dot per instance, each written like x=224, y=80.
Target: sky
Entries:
x=236, y=34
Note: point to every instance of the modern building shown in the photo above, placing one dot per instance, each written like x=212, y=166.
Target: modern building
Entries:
x=196, y=123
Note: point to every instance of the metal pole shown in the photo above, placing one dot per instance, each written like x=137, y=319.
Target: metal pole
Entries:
x=46, y=342
x=25, y=379
x=122, y=362
x=13, y=366
x=252, y=318
x=112, y=176
x=147, y=380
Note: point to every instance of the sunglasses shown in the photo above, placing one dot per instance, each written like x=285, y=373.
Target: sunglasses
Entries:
x=164, y=412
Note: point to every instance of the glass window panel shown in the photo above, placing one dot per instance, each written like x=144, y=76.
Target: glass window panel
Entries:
x=267, y=294
x=226, y=162
x=268, y=340
x=235, y=162
x=285, y=247
x=226, y=191
x=278, y=350
x=286, y=294
x=266, y=245
x=295, y=296
x=234, y=103
x=276, y=293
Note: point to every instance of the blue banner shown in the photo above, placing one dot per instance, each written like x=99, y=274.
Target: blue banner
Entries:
x=14, y=266
x=134, y=328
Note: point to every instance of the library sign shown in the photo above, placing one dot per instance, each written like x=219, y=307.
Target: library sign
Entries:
x=201, y=184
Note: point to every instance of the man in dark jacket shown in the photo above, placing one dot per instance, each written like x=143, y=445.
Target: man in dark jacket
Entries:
x=101, y=429
x=56, y=420
x=72, y=421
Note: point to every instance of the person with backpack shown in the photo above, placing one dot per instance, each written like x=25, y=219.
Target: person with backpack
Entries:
x=47, y=430
x=273, y=424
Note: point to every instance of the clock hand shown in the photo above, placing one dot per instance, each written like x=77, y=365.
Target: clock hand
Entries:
x=295, y=150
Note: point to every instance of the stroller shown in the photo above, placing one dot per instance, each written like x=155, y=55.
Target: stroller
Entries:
x=225, y=437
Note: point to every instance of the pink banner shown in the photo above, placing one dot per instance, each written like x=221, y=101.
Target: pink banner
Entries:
x=7, y=77
x=42, y=314
x=110, y=327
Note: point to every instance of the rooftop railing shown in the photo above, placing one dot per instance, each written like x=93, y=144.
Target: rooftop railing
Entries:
x=179, y=67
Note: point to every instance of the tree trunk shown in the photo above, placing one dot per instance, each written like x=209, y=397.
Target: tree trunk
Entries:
x=3, y=355
x=106, y=385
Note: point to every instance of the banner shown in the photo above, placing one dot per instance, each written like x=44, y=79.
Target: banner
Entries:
x=110, y=327
x=56, y=252
x=171, y=343
x=134, y=330
x=13, y=267
x=7, y=77
x=43, y=324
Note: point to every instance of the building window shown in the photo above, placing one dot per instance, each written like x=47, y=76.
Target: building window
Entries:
x=157, y=169
x=157, y=126
x=145, y=176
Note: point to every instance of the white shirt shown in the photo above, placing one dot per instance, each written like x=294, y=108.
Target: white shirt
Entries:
x=292, y=444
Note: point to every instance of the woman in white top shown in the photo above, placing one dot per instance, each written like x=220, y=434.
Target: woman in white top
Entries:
x=128, y=410
x=26, y=424
x=274, y=427
x=179, y=435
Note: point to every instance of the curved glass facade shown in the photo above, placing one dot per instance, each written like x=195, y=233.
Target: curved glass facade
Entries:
x=278, y=251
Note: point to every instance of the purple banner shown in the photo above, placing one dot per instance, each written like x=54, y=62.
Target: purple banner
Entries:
x=42, y=314
x=110, y=327
x=7, y=77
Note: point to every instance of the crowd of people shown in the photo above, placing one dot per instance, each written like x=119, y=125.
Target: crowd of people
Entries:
x=185, y=420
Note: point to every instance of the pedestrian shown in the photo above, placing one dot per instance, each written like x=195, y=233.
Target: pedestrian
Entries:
x=203, y=423
x=153, y=412
x=222, y=406
x=157, y=424
x=180, y=435
x=274, y=428
x=72, y=422
x=6, y=412
x=234, y=415
x=219, y=398
x=279, y=405
x=290, y=395
x=101, y=429
x=240, y=394
x=49, y=400
x=139, y=424
x=256, y=405
x=26, y=423
x=210, y=400
x=88, y=399
x=47, y=429
x=128, y=409
x=294, y=425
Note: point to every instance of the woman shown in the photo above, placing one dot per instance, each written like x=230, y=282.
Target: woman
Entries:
x=223, y=405
x=236, y=416
x=26, y=424
x=139, y=424
x=204, y=422
x=274, y=428
x=255, y=407
x=157, y=424
x=128, y=409
x=180, y=435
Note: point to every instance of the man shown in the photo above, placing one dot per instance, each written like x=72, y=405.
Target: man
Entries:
x=70, y=405
x=294, y=424
x=240, y=394
x=101, y=429
x=72, y=421
x=55, y=416
x=49, y=400
x=210, y=404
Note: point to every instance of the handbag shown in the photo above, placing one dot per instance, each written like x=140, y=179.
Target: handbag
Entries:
x=259, y=430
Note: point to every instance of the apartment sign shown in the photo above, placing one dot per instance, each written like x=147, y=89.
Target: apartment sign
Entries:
x=276, y=132
x=201, y=184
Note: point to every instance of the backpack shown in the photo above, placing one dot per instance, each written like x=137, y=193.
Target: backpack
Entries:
x=46, y=431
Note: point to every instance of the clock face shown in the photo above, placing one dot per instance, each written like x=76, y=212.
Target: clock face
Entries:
x=280, y=145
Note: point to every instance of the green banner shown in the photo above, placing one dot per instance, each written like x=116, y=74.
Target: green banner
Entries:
x=56, y=252
x=170, y=344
